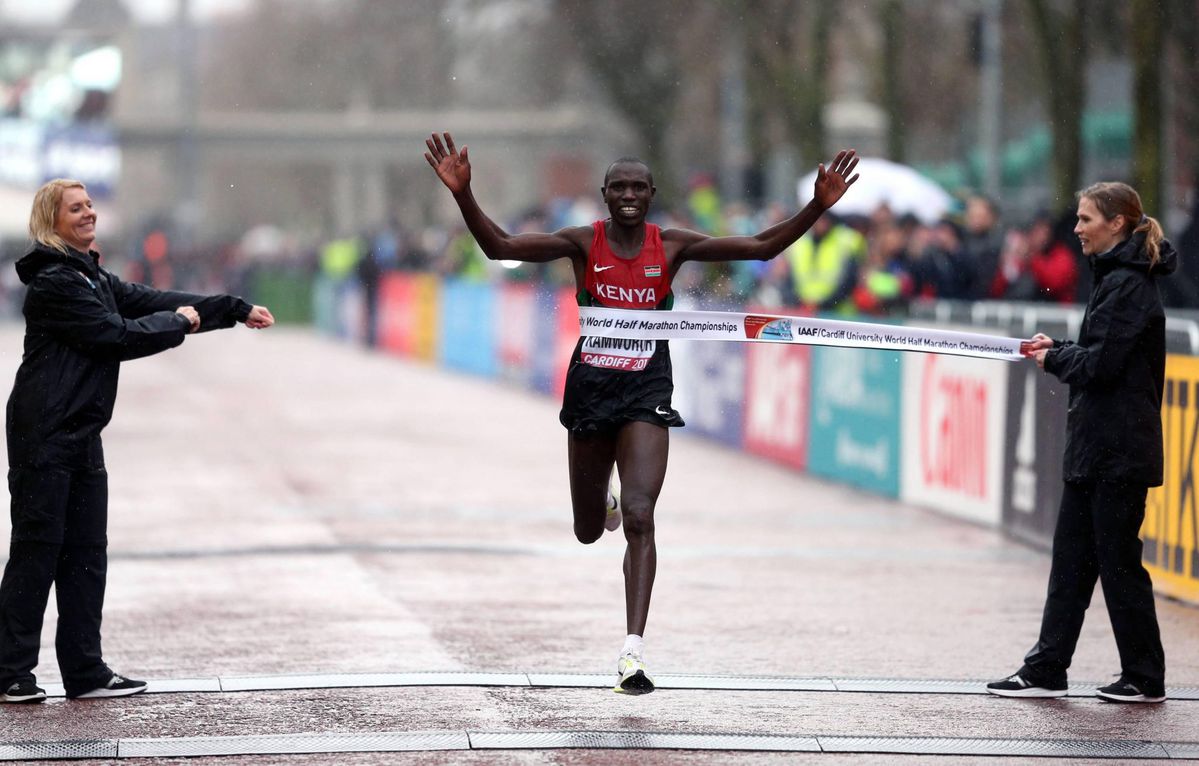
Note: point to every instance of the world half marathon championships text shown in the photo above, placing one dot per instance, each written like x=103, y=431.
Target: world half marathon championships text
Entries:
x=660, y=325
x=901, y=340
x=854, y=336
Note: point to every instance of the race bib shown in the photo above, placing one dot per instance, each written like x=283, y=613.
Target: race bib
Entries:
x=627, y=354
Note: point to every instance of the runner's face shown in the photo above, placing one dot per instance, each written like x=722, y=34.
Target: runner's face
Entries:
x=75, y=221
x=628, y=193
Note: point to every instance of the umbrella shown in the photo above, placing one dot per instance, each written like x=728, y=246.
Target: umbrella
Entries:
x=263, y=242
x=901, y=188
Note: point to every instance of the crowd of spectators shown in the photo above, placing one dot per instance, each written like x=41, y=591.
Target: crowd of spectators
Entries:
x=875, y=264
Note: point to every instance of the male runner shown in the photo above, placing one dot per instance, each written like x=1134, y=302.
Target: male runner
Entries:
x=616, y=407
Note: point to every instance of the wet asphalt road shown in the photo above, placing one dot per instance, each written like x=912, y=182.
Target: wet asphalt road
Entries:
x=285, y=504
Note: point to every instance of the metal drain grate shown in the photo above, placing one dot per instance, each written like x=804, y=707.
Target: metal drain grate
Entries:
x=746, y=683
x=282, y=744
x=44, y=751
x=1182, y=750
x=994, y=747
x=350, y=742
x=573, y=680
x=184, y=685
x=685, y=681
x=355, y=680
x=638, y=740
x=908, y=686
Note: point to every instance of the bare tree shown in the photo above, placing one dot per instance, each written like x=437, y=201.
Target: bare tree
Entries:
x=789, y=46
x=1062, y=47
x=326, y=57
x=629, y=47
x=1183, y=32
x=891, y=19
x=1148, y=31
x=929, y=95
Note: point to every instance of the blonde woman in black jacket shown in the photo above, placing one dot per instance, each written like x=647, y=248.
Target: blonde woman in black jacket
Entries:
x=81, y=322
x=1116, y=374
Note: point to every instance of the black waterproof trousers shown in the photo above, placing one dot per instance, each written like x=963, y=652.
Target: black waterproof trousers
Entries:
x=59, y=536
x=1097, y=538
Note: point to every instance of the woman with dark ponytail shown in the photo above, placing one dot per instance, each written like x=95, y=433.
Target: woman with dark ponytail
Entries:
x=1116, y=373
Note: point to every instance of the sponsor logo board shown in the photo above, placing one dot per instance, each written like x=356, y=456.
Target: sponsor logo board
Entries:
x=855, y=418
x=1034, y=438
x=1171, y=528
x=776, y=402
x=953, y=414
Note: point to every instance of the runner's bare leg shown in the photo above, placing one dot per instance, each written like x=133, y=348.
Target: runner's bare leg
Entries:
x=641, y=452
x=590, y=462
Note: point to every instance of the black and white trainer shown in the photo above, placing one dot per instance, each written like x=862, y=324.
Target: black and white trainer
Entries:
x=23, y=691
x=1018, y=685
x=117, y=686
x=1126, y=691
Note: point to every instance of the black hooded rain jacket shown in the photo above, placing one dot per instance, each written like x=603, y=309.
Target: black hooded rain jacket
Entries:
x=81, y=322
x=1116, y=371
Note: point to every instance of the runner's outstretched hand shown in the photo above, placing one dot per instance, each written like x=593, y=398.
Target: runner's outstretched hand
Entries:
x=832, y=183
x=452, y=166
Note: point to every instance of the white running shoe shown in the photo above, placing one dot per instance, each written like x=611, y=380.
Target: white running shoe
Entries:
x=612, y=520
x=634, y=678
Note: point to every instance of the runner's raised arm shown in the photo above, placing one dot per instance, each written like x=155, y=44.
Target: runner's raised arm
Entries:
x=831, y=185
x=453, y=168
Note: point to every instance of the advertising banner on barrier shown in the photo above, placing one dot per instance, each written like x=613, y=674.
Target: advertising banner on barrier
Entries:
x=566, y=336
x=397, y=325
x=709, y=388
x=350, y=320
x=408, y=314
x=545, y=340
x=1034, y=440
x=953, y=416
x=427, y=302
x=555, y=332
x=776, y=402
x=855, y=420
x=468, y=333
x=516, y=306
x=324, y=304
x=687, y=378
x=1171, y=529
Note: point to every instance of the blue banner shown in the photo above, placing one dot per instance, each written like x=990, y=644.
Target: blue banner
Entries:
x=545, y=361
x=87, y=153
x=468, y=327
x=709, y=385
x=855, y=417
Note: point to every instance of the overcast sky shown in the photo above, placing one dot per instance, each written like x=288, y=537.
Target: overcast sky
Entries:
x=146, y=11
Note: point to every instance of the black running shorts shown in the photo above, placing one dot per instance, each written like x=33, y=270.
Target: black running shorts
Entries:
x=600, y=401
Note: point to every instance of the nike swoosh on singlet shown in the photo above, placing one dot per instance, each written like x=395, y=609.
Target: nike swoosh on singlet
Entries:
x=599, y=268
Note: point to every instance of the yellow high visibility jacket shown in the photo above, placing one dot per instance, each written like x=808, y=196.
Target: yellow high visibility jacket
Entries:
x=817, y=270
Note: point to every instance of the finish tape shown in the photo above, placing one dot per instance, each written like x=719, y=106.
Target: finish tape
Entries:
x=636, y=324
